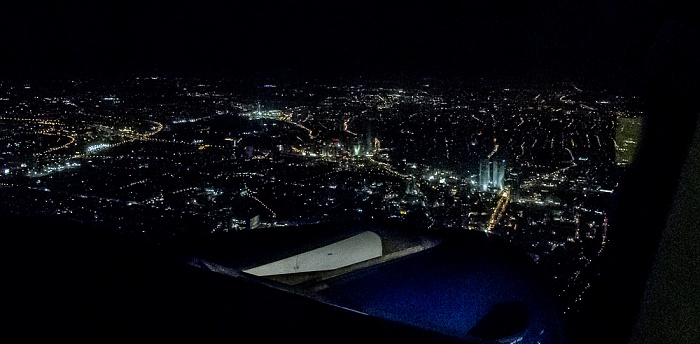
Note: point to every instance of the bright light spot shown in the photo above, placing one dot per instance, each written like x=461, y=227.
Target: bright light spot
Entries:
x=97, y=147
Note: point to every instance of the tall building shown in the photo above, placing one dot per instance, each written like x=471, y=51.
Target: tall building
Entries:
x=484, y=174
x=491, y=174
x=494, y=174
x=501, y=174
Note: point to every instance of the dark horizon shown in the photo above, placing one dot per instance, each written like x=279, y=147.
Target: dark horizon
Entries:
x=316, y=41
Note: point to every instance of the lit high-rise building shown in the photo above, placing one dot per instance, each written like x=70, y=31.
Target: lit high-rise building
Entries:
x=484, y=174
x=501, y=175
x=494, y=173
x=491, y=174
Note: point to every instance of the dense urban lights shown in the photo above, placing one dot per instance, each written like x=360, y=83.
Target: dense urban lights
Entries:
x=535, y=164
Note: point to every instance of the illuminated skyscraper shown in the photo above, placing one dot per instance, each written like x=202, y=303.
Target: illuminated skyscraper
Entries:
x=494, y=173
x=500, y=175
x=491, y=174
x=356, y=149
x=484, y=174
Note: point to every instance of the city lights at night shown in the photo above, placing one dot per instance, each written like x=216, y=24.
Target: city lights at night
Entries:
x=479, y=171
x=507, y=167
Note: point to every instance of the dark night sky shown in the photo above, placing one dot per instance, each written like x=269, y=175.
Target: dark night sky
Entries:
x=335, y=38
